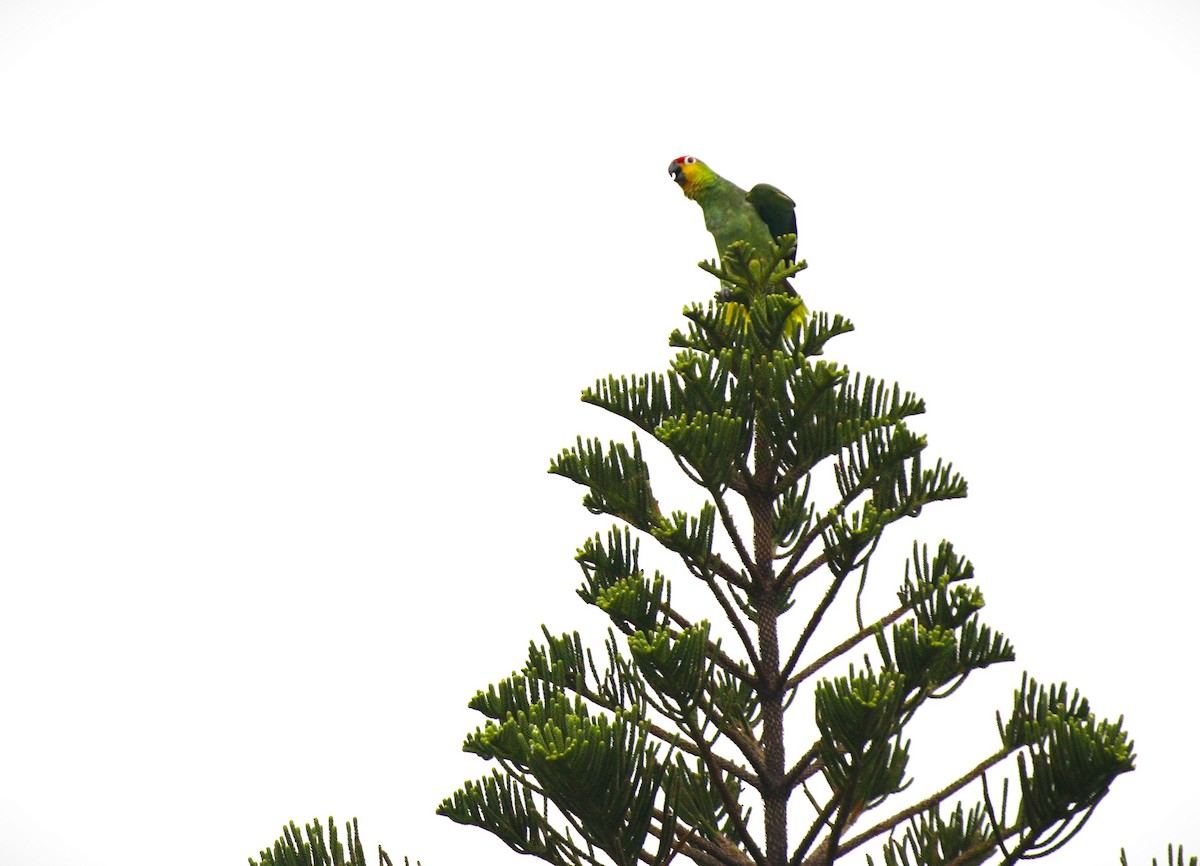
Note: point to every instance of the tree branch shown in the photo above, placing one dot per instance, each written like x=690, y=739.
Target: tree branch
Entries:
x=672, y=739
x=736, y=622
x=731, y=531
x=803, y=768
x=813, y=831
x=933, y=799
x=844, y=647
x=813, y=622
x=727, y=798
x=714, y=652
x=706, y=852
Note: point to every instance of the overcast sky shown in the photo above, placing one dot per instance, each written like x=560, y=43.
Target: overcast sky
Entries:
x=297, y=299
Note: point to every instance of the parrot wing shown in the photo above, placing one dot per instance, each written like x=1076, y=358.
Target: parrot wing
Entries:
x=775, y=208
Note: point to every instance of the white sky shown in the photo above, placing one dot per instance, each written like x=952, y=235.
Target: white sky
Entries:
x=296, y=304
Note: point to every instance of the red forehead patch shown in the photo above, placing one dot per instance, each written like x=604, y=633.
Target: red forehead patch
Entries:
x=680, y=159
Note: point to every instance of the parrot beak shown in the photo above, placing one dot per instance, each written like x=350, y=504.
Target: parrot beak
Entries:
x=676, y=172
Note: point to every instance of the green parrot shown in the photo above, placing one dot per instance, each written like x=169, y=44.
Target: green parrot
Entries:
x=731, y=214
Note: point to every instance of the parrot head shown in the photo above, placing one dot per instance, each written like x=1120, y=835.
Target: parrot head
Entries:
x=690, y=173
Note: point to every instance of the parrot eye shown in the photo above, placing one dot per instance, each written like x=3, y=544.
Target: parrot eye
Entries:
x=688, y=160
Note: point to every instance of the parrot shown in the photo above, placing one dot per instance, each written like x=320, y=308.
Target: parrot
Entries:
x=731, y=214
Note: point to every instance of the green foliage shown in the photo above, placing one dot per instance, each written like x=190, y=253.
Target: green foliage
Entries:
x=1174, y=858
x=311, y=849
x=603, y=773
x=674, y=744
x=618, y=478
x=930, y=840
x=861, y=757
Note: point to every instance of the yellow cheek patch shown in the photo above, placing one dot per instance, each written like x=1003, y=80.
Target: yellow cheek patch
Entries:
x=689, y=180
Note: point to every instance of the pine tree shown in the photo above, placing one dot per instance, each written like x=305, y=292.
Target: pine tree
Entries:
x=672, y=745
